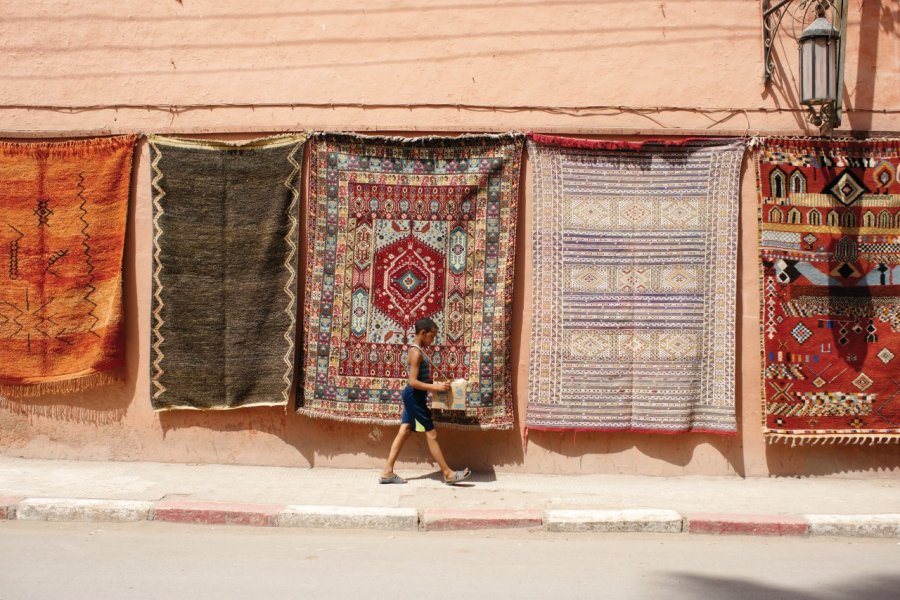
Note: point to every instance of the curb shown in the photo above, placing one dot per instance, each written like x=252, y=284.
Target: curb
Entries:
x=408, y=519
x=348, y=517
x=217, y=513
x=438, y=519
x=884, y=525
x=730, y=524
x=8, y=507
x=620, y=521
x=96, y=511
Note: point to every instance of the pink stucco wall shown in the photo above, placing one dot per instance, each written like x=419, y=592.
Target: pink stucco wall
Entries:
x=604, y=67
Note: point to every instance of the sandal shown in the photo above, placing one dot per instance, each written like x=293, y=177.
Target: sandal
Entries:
x=458, y=476
x=394, y=478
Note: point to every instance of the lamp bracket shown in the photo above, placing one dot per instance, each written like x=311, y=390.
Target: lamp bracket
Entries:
x=772, y=16
x=773, y=12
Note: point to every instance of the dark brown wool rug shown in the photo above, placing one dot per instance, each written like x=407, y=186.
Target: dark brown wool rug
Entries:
x=224, y=271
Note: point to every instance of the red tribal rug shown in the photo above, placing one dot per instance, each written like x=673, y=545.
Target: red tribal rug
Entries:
x=63, y=207
x=633, y=285
x=401, y=229
x=830, y=296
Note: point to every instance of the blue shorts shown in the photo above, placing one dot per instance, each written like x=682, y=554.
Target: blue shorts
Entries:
x=415, y=410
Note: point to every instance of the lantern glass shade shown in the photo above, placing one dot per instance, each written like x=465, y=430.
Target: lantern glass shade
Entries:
x=818, y=63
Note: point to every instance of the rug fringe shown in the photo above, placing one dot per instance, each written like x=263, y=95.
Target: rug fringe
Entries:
x=66, y=386
x=207, y=144
x=79, y=147
x=886, y=143
x=590, y=144
x=339, y=136
x=846, y=439
x=396, y=422
x=179, y=407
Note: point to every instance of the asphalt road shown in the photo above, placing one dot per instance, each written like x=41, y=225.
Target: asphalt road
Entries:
x=156, y=560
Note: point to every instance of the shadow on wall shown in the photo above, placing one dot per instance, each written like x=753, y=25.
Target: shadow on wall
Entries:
x=103, y=406
x=677, y=450
x=786, y=461
x=873, y=16
x=330, y=440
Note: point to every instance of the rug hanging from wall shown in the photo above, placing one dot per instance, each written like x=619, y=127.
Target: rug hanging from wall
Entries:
x=830, y=290
x=63, y=208
x=633, y=285
x=225, y=248
x=401, y=229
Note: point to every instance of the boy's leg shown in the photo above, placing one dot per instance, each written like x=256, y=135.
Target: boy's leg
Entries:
x=396, y=446
x=435, y=449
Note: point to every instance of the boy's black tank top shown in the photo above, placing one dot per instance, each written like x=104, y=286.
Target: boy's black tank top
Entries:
x=424, y=366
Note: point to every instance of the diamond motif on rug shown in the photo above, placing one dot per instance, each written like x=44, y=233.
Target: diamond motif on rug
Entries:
x=410, y=275
x=847, y=188
x=801, y=333
x=885, y=355
x=862, y=382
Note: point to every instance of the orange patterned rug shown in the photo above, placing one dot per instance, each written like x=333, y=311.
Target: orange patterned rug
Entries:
x=63, y=207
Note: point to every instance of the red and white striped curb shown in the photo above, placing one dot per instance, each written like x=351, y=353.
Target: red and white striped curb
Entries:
x=566, y=521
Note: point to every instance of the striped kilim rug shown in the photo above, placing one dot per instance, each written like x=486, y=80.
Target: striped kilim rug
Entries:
x=225, y=249
x=401, y=229
x=830, y=275
x=633, y=285
x=63, y=207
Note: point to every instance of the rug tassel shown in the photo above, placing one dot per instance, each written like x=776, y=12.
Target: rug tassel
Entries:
x=67, y=386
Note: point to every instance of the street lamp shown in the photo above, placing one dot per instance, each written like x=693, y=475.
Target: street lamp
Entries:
x=821, y=55
x=819, y=70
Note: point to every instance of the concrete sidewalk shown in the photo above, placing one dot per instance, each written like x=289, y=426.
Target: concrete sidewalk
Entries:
x=323, y=497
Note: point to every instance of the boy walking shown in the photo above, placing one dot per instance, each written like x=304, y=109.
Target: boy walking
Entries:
x=416, y=414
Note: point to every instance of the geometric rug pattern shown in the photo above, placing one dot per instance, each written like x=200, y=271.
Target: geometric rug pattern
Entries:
x=634, y=257
x=829, y=243
x=401, y=229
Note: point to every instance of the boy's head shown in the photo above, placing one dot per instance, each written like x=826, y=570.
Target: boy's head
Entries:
x=425, y=324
